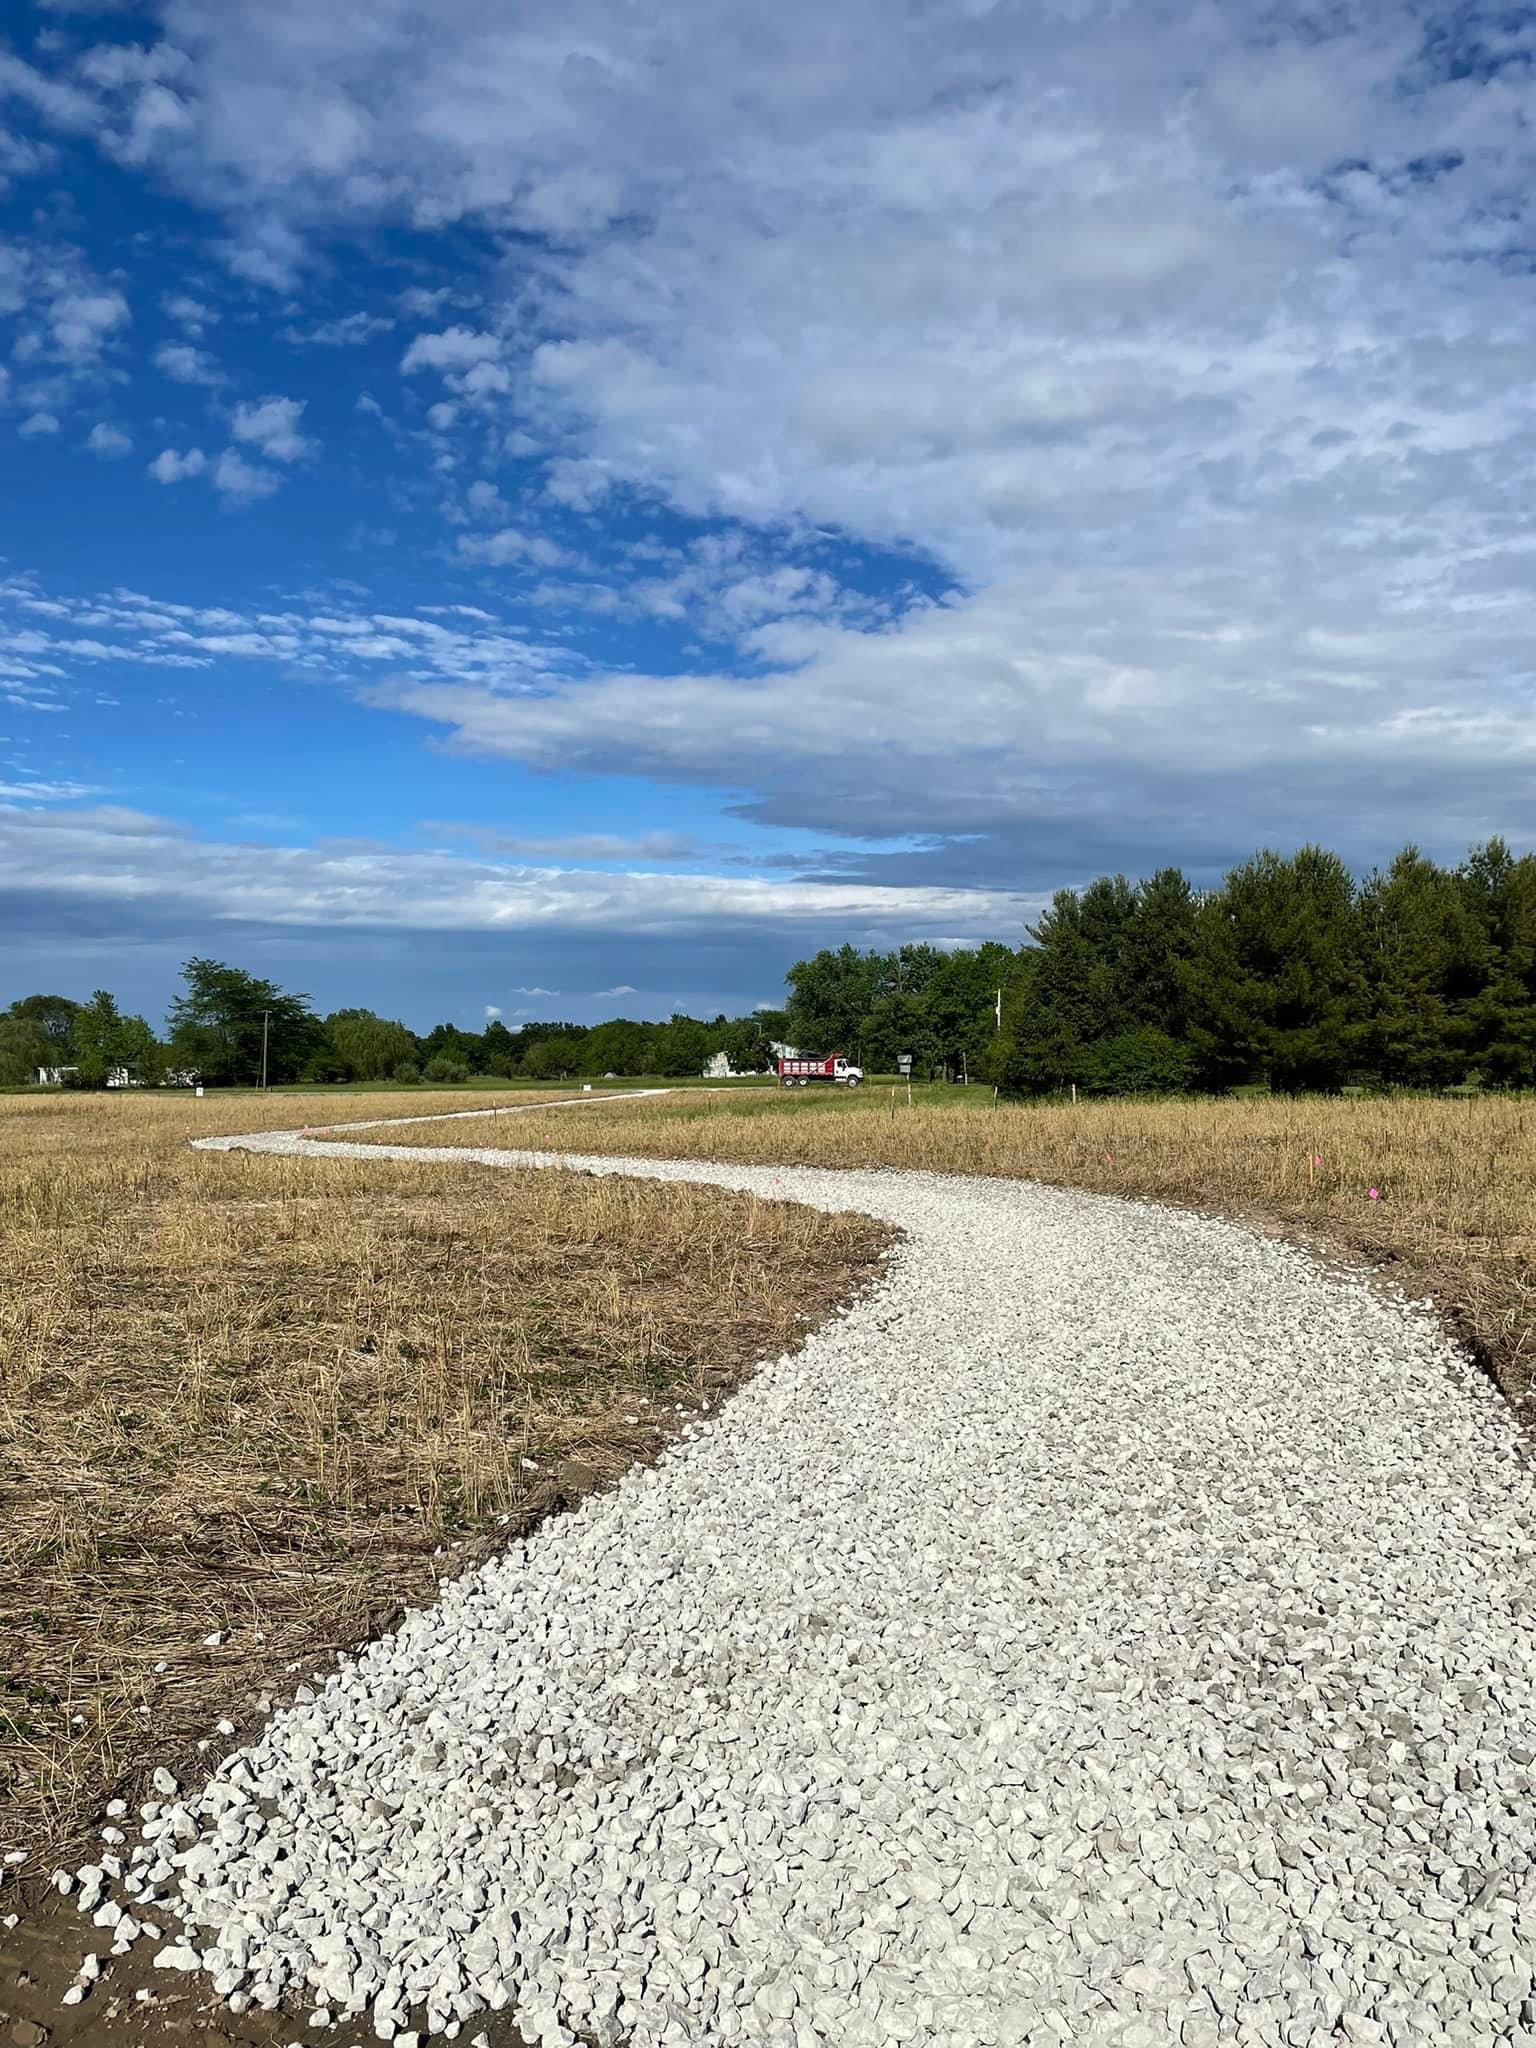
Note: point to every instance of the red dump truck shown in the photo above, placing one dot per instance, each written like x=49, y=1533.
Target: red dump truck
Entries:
x=834, y=1070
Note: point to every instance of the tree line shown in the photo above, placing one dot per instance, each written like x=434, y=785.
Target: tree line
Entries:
x=227, y=1023
x=1291, y=973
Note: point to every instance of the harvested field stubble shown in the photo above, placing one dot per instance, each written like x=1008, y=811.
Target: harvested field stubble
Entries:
x=251, y=1405
x=1454, y=1210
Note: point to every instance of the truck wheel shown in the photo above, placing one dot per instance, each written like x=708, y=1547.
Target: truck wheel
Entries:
x=853, y=1081
x=786, y=1082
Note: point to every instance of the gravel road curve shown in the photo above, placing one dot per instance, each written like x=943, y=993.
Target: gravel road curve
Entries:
x=1114, y=1630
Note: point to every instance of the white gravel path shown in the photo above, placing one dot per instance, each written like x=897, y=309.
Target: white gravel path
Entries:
x=1114, y=1630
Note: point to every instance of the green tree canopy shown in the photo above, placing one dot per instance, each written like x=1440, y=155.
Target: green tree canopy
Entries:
x=54, y=1015
x=369, y=1047
x=25, y=1050
x=500, y=1048
x=1500, y=892
x=621, y=1046
x=1277, y=978
x=551, y=1058
x=107, y=1042
x=1424, y=956
x=216, y=1026
x=830, y=996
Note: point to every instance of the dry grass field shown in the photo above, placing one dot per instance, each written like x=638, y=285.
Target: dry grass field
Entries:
x=250, y=1406
x=1453, y=1214
x=271, y=1400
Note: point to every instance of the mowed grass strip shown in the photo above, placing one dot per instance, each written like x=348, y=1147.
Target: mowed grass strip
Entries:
x=1453, y=1213
x=272, y=1400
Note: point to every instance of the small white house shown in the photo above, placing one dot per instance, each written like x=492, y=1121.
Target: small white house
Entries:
x=718, y=1067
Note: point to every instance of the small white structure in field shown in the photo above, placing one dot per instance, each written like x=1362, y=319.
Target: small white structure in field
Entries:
x=55, y=1077
x=718, y=1067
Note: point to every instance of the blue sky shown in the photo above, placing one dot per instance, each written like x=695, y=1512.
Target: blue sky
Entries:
x=563, y=509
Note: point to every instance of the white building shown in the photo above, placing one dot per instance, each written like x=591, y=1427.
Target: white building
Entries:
x=54, y=1077
x=718, y=1067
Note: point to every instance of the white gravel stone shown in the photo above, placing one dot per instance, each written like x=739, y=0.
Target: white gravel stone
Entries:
x=1115, y=1629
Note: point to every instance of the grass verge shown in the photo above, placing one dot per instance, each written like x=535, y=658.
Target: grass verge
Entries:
x=250, y=1406
x=1453, y=1214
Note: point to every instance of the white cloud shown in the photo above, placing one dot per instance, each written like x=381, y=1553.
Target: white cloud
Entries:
x=68, y=325
x=637, y=846
x=581, y=485
x=184, y=364
x=352, y=330
x=22, y=156
x=343, y=647
x=39, y=424
x=422, y=303
x=82, y=321
x=169, y=467
x=106, y=440
x=272, y=425
x=508, y=545
x=1214, y=448
x=620, y=988
x=132, y=64
x=1061, y=732
x=454, y=349
x=37, y=791
x=58, y=102
x=132, y=868
x=483, y=501
x=491, y=1010
x=264, y=250
x=242, y=483
x=188, y=312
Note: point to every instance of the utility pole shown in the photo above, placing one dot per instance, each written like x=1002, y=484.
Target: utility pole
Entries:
x=266, y=1018
x=999, y=1009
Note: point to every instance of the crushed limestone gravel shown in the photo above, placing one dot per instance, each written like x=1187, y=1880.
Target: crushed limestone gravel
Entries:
x=1114, y=1630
